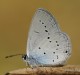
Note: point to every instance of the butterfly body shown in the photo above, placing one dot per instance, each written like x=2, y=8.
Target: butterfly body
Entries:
x=47, y=45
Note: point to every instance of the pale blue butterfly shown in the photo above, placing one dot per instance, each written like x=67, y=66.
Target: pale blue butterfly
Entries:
x=47, y=45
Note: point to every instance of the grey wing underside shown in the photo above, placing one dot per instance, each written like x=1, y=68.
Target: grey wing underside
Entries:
x=43, y=34
x=43, y=24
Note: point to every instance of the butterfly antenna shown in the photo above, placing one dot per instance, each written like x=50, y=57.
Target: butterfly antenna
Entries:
x=13, y=55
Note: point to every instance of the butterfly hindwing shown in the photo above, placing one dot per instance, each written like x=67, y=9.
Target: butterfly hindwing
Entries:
x=53, y=49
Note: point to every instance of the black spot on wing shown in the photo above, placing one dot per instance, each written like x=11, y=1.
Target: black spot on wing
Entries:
x=56, y=41
x=57, y=57
x=57, y=44
x=48, y=37
x=46, y=30
x=53, y=60
x=56, y=48
x=54, y=52
x=50, y=41
x=42, y=22
x=45, y=26
x=39, y=20
x=66, y=51
x=44, y=53
x=39, y=47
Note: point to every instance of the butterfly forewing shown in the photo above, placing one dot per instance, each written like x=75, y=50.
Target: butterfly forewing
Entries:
x=54, y=50
x=43, y=23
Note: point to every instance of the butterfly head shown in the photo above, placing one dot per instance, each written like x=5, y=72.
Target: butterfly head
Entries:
x=24, y=57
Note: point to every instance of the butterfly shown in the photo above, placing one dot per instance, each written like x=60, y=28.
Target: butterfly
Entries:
x=47, y=45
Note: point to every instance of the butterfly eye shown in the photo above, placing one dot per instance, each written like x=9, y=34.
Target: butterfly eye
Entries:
x=24, y=56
